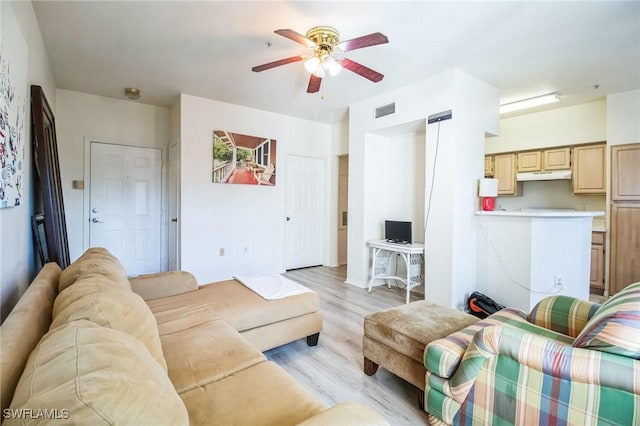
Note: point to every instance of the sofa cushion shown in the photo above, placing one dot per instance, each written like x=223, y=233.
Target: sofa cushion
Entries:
x=615, y=327
x=96, y=260
x=100, y=376
x=263, y=394
x=177, y=321
x=163, y=284
x=24, y=327
x=111, y=307
x=231, y=301
x=87, y=284
x=207, y=352
x=564, y=314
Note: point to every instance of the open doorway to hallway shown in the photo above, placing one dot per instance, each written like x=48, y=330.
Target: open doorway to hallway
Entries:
x=343, y=203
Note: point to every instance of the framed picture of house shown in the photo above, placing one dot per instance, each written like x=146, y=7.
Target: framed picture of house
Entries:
x=243, y=159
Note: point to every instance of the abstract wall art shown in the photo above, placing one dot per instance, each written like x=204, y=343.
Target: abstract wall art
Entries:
x=13, y=110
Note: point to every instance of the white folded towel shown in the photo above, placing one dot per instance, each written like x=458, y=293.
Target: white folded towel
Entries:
x=272, y=286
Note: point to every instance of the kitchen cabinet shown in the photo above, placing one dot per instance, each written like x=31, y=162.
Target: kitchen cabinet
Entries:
x=588, y=173
x=488, y=166
x=596, y=279
x=625, y=172
x=504, y=169
x=625, y=246
x=625, y=217
x=556, y=159
x=530, y=161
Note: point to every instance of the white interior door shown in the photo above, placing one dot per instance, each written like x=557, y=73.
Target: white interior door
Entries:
x=172, y=192
x=125, y=209
x=304, y=212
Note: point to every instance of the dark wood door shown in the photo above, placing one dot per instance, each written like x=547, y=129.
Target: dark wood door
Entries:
x=45, y=157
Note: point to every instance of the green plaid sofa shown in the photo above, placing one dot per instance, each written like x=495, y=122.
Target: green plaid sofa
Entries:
x=569, y=362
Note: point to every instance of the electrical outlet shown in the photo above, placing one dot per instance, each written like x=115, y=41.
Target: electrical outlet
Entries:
x=557, y=282
x=221, y=251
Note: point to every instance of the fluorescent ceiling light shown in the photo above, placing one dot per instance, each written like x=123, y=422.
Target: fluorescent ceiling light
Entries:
x=530, y=103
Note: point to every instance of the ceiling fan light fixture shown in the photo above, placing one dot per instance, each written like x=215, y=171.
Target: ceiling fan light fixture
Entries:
x=324, y=41
x=319, y=72
x=312, y=64
x=330, y=64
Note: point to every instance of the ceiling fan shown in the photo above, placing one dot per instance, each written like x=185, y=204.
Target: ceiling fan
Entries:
x=325, y=41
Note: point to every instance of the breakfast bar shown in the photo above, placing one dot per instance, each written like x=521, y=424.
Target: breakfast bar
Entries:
x=524, y=256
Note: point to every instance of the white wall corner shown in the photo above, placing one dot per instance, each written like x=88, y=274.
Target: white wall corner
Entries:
x=450, y=235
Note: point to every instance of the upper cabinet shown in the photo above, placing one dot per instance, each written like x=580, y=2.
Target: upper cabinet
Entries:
x=530, y=161
x=488, y=166
x=549, y=159
x=625, y=172
x=556, y=159
x=589, y=171
x=586, y=162
x=504, y=169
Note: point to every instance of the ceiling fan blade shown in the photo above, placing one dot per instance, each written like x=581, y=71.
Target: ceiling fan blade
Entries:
x=361, y=70
x=297, y=37
x=314, y=84
x=364, y=41
x=274, y=64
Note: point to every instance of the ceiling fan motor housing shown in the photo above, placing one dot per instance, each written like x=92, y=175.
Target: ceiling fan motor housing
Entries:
x=324, y=37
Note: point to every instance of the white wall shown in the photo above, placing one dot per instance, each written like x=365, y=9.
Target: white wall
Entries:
x=232, y=217
x=17, y=258
x=101, y=119
x=400, y=171
x=571, y=125
x=554, y=194
x=623, y=118
x=450, y=234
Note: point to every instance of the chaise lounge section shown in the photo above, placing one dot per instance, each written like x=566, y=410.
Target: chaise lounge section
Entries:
x=82, y=347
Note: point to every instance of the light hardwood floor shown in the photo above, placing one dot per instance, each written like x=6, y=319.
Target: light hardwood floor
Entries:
x=332, y=371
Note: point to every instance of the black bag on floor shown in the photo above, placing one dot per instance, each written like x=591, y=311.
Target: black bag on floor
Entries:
x=482, y=305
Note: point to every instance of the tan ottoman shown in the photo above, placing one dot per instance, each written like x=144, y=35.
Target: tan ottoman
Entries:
x=395, y=338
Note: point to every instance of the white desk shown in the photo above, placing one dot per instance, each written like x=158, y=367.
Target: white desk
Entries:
x=381, y=253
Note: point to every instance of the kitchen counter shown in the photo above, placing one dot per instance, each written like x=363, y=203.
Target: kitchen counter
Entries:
x=524, y=256
x=541, y=213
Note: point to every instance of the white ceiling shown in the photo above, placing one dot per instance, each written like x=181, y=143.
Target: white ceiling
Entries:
x=207, y=49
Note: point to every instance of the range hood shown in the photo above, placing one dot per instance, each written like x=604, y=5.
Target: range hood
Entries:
x=552, y=175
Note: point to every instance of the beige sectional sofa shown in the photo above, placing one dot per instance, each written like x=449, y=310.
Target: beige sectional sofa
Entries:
x=88, y=346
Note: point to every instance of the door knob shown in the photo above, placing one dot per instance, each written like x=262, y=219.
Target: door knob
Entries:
x=94, y=220
x=94, y=210
x=288, y=218
x=174, y=219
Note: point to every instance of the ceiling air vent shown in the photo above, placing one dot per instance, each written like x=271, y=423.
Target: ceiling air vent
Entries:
x=386, y=110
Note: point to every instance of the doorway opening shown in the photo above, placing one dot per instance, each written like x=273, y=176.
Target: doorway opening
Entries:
x=343, y=204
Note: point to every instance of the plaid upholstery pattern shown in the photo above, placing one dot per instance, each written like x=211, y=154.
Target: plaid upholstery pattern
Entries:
x=506, y=370
x=566, y=315
x=527, y=379
x=615, y=328
x=443, y=356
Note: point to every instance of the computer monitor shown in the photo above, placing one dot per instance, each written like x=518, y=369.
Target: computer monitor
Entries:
x=397, y=232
